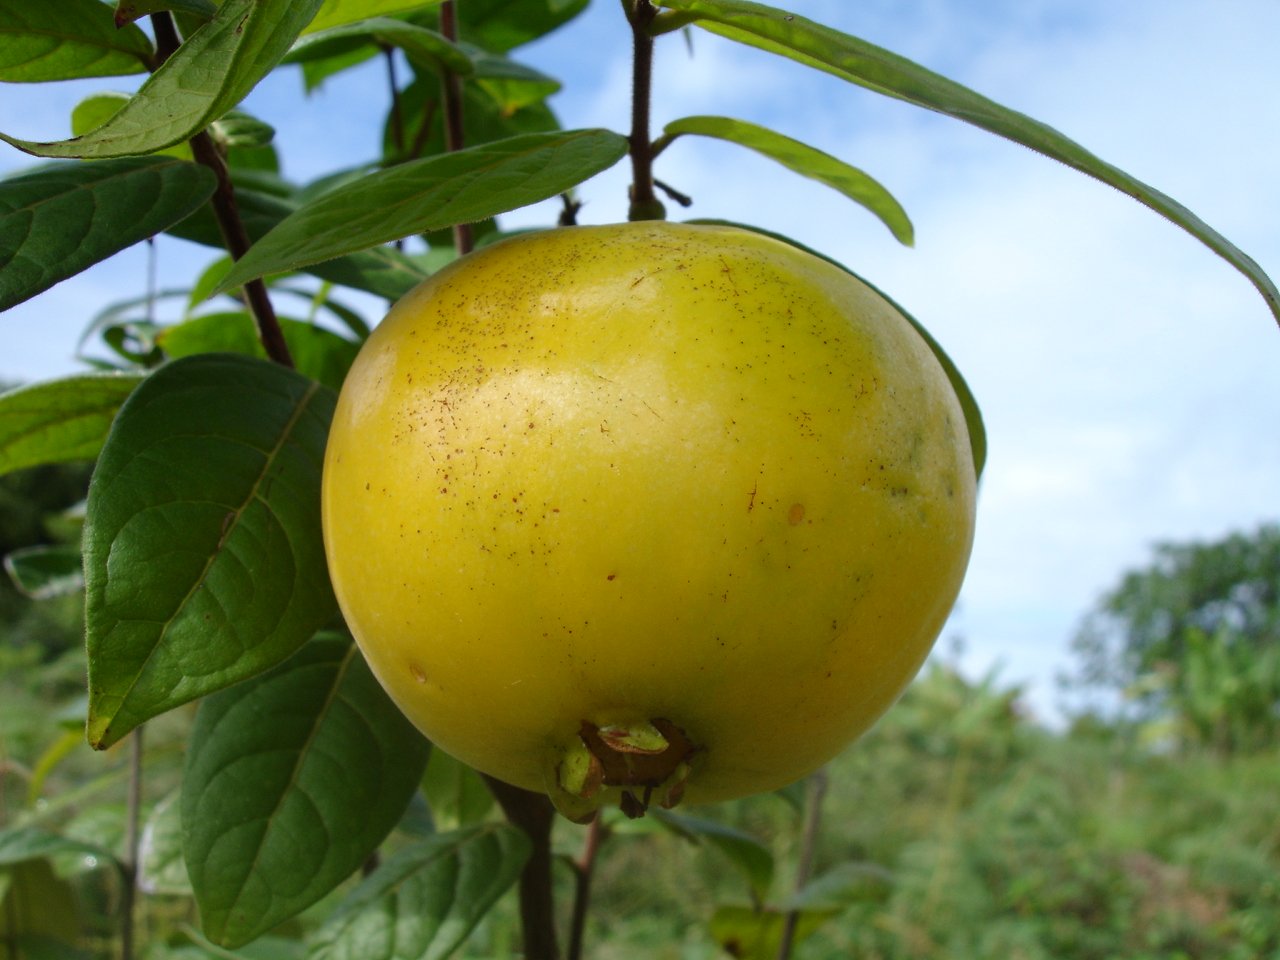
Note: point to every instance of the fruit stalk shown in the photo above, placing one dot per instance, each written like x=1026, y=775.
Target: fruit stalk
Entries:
x=532, y=813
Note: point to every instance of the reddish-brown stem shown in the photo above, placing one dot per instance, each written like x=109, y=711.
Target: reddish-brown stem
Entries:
x=237, y=242
x=645, y=204
x=584, y=873
x=454, y=137
x=533, y=814
x=227, y=212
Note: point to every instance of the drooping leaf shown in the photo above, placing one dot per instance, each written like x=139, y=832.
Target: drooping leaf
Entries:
x=384, y=271
x=335, y=13
x=60, y=218
x=429, y=194
x=804, y=160
x=209, y=74
x=456, y=794
x=60, y=421
x=292, y=780
x=46, y=571
x=128, y=11
x=65, y=40
x=316, y=352
x=968, y=403
x=875, y=68
x=423, y=46
x=748, y=854
x=425, y=899
x=203, y=558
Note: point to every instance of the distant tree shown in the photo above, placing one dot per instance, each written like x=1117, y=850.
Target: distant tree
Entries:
x=1194, y=639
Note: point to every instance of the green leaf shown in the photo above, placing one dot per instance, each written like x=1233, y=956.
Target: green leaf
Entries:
x=509, y=84
x=239, y=129
x=500, y=25
x=203, y=558
x=60, y=218
x=804, y=160
x=46, y=571
x=425, y=899
x=385, y=272
x=317, y=353
x=292, y=780
x=66, y=39
x=968, y=403
x=424, y=47
x=749, y=934
x=484, y=118
x=96, y=109
x=210, y=73
x=127, y=11
x=316, y=72
x=429, y=194
x=746, y=853
x=335, y=13
x=60, y=421
x=456, y=794
x=887, y=73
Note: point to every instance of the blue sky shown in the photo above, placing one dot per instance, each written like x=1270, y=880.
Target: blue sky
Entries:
x=1127, y=375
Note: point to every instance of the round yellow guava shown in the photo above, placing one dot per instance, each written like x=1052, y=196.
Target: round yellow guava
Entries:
x=646, y=507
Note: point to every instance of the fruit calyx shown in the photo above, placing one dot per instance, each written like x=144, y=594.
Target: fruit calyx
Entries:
x=643, y=761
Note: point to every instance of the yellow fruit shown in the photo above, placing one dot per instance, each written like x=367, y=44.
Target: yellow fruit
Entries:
x=648, y=507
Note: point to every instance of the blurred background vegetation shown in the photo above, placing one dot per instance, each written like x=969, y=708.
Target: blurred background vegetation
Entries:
x=1147, y=826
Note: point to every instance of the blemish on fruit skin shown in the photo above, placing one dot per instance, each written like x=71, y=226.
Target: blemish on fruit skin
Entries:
x=795, y=516
x=416, y=671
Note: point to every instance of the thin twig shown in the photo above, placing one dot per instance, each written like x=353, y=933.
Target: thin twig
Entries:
x=804, y=867
x=681, y=198
x=454, y=135
x=584, y=872
x=532, y=813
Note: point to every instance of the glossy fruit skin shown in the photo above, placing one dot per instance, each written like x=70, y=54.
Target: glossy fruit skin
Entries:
x=650, y=470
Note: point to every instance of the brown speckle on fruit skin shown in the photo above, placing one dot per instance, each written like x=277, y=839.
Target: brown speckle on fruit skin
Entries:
x=795, y=516
x=416, y=671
